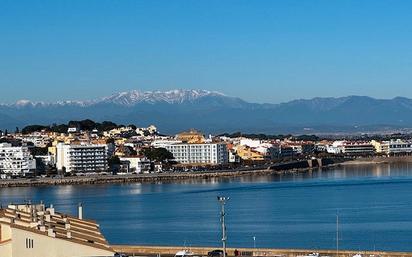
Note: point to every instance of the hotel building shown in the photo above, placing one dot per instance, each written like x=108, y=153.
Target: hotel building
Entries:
x=81, y=158
x=208, y=153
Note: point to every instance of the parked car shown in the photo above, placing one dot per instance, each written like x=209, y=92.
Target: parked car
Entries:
x=215, y=253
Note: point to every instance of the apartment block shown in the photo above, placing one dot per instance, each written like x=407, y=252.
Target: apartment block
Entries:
x=15, y=161
x=213, y=153
x=81, y=158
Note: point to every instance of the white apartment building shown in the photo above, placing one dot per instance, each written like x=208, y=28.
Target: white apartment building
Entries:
x=37, y=138
x=136, y=164
x=15, y=161
x=393, y=146
x=81, y=158
x=358, y=148
x=213, y=153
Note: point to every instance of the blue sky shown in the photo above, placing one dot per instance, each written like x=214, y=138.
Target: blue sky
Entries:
x=261, y=51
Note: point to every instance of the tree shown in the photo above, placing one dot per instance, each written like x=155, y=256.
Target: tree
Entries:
x=114, y=160
x=33, y=128
x=157, y=154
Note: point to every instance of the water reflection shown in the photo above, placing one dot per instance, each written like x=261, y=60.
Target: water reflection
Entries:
x=281, y=210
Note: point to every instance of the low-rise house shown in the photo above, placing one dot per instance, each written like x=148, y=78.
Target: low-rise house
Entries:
x=136, y=164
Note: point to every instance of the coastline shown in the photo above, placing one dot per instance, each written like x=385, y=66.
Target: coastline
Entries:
x=149, y=178
x=378, y=160
x=182, y=176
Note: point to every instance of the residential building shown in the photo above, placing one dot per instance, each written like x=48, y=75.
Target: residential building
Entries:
x=358, y=148
x=213, y=153
x=15, y=161
x=191, y=137
x=40, y=231
x=393, y=147
x=38, y=139
x=136, y=164
x=81, y=158
x=249, y=154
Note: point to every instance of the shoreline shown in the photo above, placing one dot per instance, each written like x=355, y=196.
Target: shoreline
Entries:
x=147, y=178
x=378, y=160
x=182, y=176
x=203, y=250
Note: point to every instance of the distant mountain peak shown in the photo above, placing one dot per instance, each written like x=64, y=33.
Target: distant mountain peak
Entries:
x=133, y=97
x=130, y=98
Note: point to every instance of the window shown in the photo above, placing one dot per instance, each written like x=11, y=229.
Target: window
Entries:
x=29, y=243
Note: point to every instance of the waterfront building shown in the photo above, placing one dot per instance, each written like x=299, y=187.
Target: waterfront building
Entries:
x=399, y=147
x=210, y=153
x=380, y=147
x=15, y=161
x=393, y=147
x=136, y=164
x=287, y=151
x=40, y=231
x=81, y=158
x=357, y=148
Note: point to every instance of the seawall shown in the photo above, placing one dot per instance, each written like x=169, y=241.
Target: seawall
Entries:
x=170, y=251
x=294, y=166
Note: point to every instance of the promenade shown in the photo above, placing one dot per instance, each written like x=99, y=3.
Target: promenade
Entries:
x=293, y=166
x=250, y=252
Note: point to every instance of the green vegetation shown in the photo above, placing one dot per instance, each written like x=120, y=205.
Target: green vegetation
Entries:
x=157, y=154
x=87, y=125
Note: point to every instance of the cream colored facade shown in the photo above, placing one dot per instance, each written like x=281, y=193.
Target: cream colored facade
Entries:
x=37, y=231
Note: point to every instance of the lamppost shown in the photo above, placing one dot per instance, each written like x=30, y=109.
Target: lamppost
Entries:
x=222, y=200
x=254, y=242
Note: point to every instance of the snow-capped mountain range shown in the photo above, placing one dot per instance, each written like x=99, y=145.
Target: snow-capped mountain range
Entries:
x=133, y=97
x=213, y=112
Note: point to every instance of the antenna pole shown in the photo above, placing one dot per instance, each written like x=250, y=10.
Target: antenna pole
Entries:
x=337, y=234
x=222, y=201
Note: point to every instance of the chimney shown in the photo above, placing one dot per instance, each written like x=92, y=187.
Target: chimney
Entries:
x=42, y=228
x=51, y=233
x=50, y=210
x=80, y=211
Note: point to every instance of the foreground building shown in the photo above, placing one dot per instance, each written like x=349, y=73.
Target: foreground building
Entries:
x=37, y=231
x=15, y=161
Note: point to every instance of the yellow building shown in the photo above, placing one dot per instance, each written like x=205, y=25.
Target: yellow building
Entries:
x=37, y=231
x=191, y=137
x=245, y=153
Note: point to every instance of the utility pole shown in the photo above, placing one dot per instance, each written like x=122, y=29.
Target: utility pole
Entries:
x=337, y=234
x=222, y=200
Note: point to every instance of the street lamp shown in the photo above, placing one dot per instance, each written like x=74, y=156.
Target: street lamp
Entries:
x=254, y=242
x=222, y=200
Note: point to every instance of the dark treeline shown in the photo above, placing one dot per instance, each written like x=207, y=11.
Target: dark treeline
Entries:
x=86, y=125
